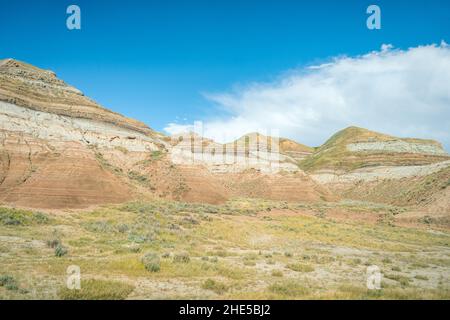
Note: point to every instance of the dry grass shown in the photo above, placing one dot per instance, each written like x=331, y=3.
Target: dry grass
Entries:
x=238, y=250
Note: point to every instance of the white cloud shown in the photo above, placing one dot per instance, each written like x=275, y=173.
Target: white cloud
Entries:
x=399, y=92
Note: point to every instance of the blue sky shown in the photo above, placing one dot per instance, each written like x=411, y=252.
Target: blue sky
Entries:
x=155, y=60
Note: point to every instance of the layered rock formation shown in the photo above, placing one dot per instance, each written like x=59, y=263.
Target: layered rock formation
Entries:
x=27, y=86
x=60, y=149
x=52, y=138
x=361, y=164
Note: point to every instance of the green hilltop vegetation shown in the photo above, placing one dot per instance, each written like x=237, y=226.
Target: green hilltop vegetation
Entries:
x=333, y=154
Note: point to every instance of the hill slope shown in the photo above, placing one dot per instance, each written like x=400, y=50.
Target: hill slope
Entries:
x=60, y=149
x=52, y=138
x=354, y=148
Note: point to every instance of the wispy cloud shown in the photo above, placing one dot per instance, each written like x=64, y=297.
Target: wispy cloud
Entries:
x=400, y=92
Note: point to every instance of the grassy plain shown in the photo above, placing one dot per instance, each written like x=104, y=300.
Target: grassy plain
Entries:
x=244, y=249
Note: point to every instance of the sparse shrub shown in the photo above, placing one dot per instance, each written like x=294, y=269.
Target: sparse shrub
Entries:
x=445, y=184
x=404, y=281
x=121, y=149
x=151, y=262
x=419, y=265
x=122, y=228
x=249, y=263
x=53, y=243
x=136, y=176
x=156, y=155
x=289, y=289
x=300, y=267
x=386, y=260
x=16, y=217
x=215, y=286
x=8, y=282
x=190, y=221
x=40, y=218
x=99, y=226
x=321, y=213
x=387, y=219
x=219, y=253
x=60, y=250
x=98, y=290
x=181, y=257
x=137, y=238
x=166, y=255
x=135, y=248
x=288, y=254
x=277, y=273
x=249, y=260
x=426, y=220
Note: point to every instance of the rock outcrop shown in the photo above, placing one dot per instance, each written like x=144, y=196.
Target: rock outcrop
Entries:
x=60, y=149
x=53, y=141
x=27, y=86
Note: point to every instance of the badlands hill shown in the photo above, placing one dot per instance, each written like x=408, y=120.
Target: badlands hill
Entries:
x=60, y=149
x=354, y=148
x=51, y=139
x=357, y=163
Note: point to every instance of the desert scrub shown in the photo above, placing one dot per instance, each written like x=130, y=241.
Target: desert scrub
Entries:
x=151, y=262
x=53, y=243
x=8, y=282
x=277, y=273
x=122, y=228
x=98, y=290
x=289, y=289
x=156, y=155
x=218, y=253
x=17, y=217
x=181, y=257
x=60, y=250
x=404, y=281
x=249, y=263
x=121, y=149
x=106, y=165
x=426, y=220
x=140, y=178
x=215, y=286
x=386, y=260
x=299, y=267
x=99, y=226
